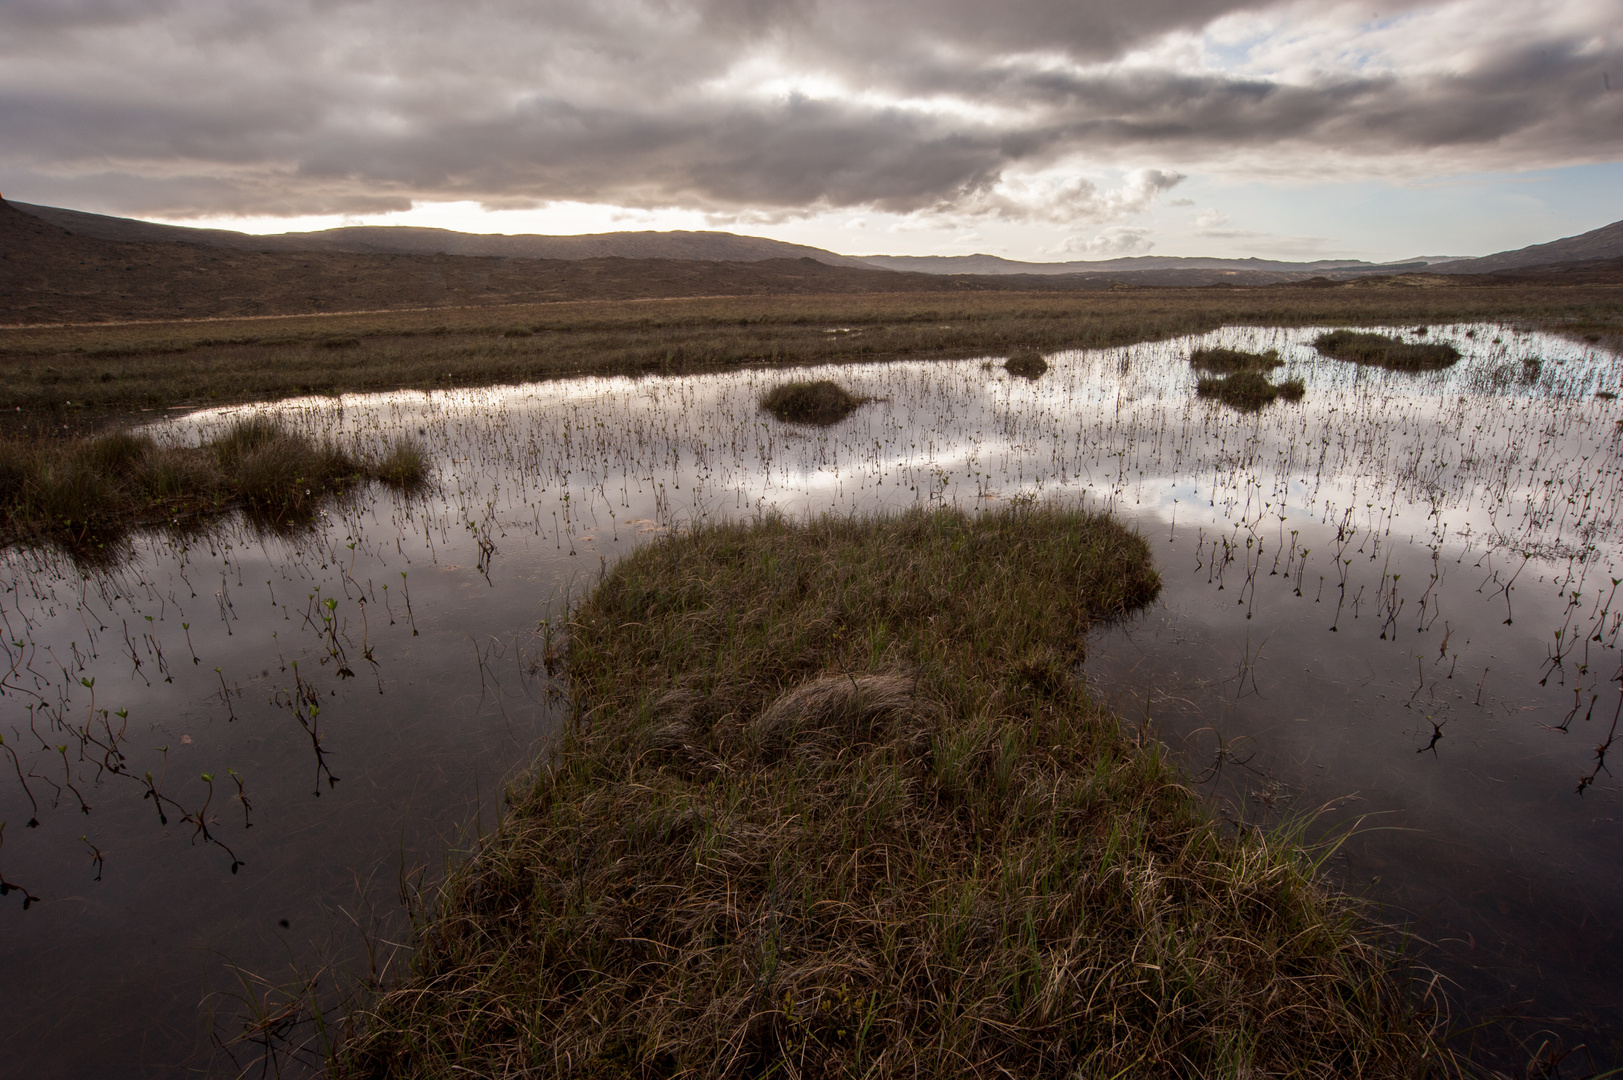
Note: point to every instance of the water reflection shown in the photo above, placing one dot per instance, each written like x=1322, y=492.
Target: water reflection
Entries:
x=1395, y=599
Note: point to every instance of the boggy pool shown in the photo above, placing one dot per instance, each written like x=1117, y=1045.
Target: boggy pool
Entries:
x=1392, y=605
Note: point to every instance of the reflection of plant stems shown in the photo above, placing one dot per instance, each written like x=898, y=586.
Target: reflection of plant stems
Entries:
x=33, y=822
x=67, y=781
x=188, y=628
x=242, y=797
x=7, y=887
x=1600, y=751
x=95, y=854
x=225, y=696
x=409, y=615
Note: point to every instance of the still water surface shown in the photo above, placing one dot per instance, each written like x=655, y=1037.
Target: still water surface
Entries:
x=1391, y=605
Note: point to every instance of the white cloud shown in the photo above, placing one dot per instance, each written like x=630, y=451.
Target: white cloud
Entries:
x=1114, y=242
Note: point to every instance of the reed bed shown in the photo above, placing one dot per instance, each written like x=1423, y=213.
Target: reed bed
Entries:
x=834, y=802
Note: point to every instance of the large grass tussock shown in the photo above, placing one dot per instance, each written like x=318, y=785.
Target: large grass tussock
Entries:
x=834, y=802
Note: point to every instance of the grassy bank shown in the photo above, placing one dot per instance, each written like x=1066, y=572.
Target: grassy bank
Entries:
x=89, y=491
x=835, y=803
x=155, y=365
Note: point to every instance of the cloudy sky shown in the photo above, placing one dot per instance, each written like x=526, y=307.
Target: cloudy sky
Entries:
x=1036, y=129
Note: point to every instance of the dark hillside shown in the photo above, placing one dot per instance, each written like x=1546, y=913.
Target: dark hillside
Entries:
x=48, y=275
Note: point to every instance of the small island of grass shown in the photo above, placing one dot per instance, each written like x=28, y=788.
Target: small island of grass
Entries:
x=1384, y=350
x=1248, y=390
x=834, y=801
x=821, y=402
x=1026, y=363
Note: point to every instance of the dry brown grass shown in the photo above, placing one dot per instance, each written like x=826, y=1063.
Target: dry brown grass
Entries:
x=834, y=803
x=173, y=363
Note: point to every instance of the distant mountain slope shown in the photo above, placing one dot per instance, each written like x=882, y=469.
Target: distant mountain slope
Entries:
x=48, y=275
x=700, y=246
x=1605, y=242
x=409, y=240
x=993, y=264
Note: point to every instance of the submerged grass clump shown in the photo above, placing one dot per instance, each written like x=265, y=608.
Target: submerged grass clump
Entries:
x=835, y=802
x=1225, y=361
x=1026, y=363
x=1248, y=389
x=93, y=489
x=1362, y=347
x=821, y=402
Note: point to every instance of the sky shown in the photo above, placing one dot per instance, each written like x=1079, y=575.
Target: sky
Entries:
x=1033, y=129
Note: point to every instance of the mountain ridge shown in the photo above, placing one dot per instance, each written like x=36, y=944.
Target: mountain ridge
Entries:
x=649, y=244
x=1605, y=242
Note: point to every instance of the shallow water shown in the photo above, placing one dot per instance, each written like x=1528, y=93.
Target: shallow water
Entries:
x=1414, y=514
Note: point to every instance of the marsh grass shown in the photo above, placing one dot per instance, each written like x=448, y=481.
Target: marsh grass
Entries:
x=1026, y=363
x=835, y=802
x=1248, y=389
x=820, y=402
x=1362, y=347
x=90, y=491
x=135, y=366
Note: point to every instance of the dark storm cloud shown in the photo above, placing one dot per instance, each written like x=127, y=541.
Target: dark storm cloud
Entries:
x=178, y=107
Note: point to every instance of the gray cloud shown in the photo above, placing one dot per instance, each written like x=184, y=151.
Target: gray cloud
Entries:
x=190, y=107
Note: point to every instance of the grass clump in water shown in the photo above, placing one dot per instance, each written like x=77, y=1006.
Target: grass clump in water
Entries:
x=1026, y=363
x=821, y=402
x=834, y=801
x=403, y=465
x=1362, y=347
x=1226, y=361
x=1248, y=389
x=91, y=491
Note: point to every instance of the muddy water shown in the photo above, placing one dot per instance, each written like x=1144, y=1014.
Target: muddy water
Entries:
x=1333, y=637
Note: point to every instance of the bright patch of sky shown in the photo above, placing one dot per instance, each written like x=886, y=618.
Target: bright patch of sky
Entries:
x=1204, y=216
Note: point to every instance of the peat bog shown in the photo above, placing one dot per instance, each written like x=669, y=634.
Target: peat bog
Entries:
x=1389, y=604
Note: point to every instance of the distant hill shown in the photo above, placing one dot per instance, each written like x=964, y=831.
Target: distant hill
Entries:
x=702, y=246
x=993, y=264
x=410, y=240
x=1605, y=242
x=49, y=275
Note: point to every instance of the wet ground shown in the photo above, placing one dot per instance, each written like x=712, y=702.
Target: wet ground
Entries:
x=1390, y=606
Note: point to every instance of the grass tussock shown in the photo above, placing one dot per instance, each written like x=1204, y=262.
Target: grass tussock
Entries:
x=835, y=803
x=92, y=490
x=1362, y=347
x=1248, y=389
x=1026, y=363
x=821, y=402
x=1226, y=361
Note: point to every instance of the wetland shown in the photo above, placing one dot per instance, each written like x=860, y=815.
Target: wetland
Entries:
x=1387, y=618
